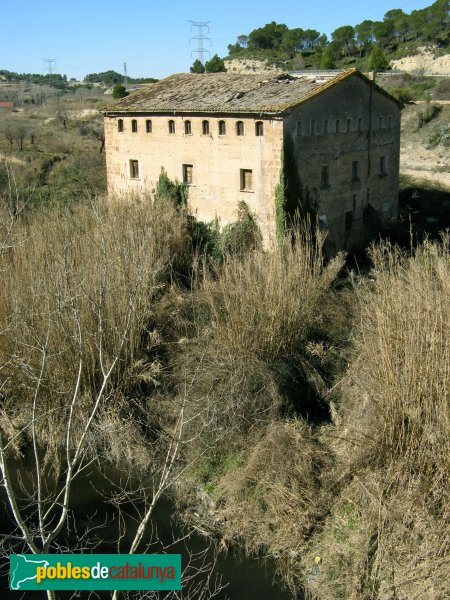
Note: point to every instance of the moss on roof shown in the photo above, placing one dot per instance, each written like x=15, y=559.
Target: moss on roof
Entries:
x=225, y=93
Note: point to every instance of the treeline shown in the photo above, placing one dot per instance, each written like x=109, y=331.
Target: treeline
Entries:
x=112, y=77
x=60, y=81
x=430, y=25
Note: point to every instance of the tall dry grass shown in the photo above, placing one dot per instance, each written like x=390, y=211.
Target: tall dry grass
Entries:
x=263, y=304
x=77, y=286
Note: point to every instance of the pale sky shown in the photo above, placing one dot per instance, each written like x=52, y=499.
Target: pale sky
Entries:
x=86, y=36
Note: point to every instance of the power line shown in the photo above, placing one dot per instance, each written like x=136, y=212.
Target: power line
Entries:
x=200, y=51
x=49, y=68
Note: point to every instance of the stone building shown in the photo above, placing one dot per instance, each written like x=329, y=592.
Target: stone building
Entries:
x=232, y=137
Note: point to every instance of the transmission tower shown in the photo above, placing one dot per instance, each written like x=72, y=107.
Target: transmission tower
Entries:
x=125, y=76
x=50, y=68
x=200, y=38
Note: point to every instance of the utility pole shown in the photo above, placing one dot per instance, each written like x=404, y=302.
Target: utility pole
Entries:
x=200, y=50
x=51, y=67
x=125, y=76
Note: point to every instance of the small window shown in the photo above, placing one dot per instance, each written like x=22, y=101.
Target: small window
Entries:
x=134, y=126
x=171, y=126
x=148, y=126
x=313, y=127
x=240, y=128
x=246, y=180
x=120, y=125
x=134, y=169
x=299, y=127
x=390, y=122
x=187, y=128
x=205, y=127
x=325, y=126
x=348, y=220
x=187, y=174
x=360, y=124
x=259, y=128
x=325, y=177
x=349, y=125
x=355, y=170
x=222, y=128
x=380, y=122
x=382, y=165
x=338, y=126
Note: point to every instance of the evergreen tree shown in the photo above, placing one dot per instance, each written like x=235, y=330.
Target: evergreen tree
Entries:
x=198, y=67
x=215, y=65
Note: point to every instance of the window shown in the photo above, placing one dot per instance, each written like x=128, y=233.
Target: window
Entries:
x=187, y=174
x=246, y=180
x=355, y=170
x=299, y=127
x=325, y=126
x=134, y=169
x=348, y=220
x=187, y=128
x=222, y=128
x=338, y=125
x=240, y=128
x=134, y=126
x=382, y=165
x=205, y=127
x=349, y=125
x=120, y=125
x=259, y=128
x=360, y=124
x=324, y=177
x=390, y=122
x=148, y=126
x=171, y=126
x=380, y=122
x=313, y=127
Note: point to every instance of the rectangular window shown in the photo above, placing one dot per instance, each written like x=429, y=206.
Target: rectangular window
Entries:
x=134, y=126
x=187, y=128
x=390, y=122
x=205, y=127
x=246, y=180
x=134, y=169
x=222, y=128
x=360, y=124
x=148, y=126
x=299, y=127
x=349, y=125
x=348, y=220
x=355, y=170
x=338, y=126
x=382, y=165
x=240, y=128
x=187, y=173
x=259, y=128
x=325, y=126
x=380, y=122
x=120, y=125
x=324, y=177
x=171, y=126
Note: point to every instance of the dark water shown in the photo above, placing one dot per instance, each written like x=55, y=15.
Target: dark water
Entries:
x=244, y=578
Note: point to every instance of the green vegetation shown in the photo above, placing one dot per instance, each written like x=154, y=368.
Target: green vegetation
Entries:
x=215, y=65
x=197, y=66
x=119, y=91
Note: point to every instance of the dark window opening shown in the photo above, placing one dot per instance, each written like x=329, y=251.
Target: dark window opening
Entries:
x=187, y=128
x=134, y=169
x=246, y=180
x=382, y=165
x=325, y=177
x=360, y=124
x=380, y=122
x=205, y=127
x=349, y=125
x=390, y=122
x=148, y=126
x=120, y=125
x=171, y=126
x=187, y=173
x=134, y=126
x=222, y=128
x=355, y=170
x=325, y=126
x=338, y=126
x=240, y=128
x=348, y=220
x=259, y=128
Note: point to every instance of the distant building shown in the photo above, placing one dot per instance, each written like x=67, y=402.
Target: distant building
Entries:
x=231, y=136
x=6, y=106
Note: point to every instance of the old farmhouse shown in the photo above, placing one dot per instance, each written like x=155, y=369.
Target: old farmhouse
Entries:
x=231, y=137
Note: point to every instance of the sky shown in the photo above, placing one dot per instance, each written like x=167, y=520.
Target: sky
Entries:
x=87, y=36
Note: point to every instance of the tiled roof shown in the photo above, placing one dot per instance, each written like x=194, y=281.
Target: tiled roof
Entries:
x=224, y=93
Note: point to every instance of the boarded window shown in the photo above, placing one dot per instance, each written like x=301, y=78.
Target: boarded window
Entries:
x=338, y=125
x=355, y=170
x=134, y=169
x=222, y=128
x=349, y=125
x=324, y=176
x=134, y=127
x=171, y=126
x=187, y=173
x=187, y=128
x=348, y=220
x=246, y=180
x=382, y=165
x=240, y=128
x=259, y=128
x=299, y=127
x=205, y=127
x=148, y=126
x=120, y=125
